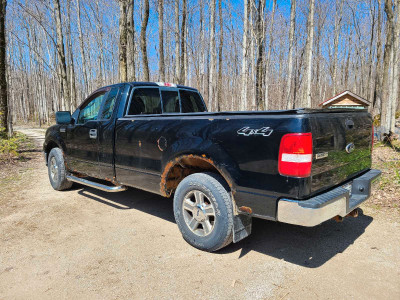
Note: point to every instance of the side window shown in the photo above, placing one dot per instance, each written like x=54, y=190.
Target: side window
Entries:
x=191, y=102
x=108, y=107
x=145, y=101
x=91, y=110
x=170, y=101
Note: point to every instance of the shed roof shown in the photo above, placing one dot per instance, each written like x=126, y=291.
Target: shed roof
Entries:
x=346, y=92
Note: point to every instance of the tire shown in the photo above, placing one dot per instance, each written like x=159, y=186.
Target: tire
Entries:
x=197, y=199
x=57, y=171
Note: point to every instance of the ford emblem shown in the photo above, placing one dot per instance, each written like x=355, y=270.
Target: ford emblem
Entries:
x=350, y=148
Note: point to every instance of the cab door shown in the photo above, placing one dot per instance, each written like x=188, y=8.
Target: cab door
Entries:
x=82, y=145
x=106, y=132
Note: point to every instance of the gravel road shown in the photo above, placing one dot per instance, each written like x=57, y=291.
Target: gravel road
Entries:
x=85, y=243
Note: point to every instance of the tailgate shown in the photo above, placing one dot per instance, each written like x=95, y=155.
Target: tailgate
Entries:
x=341, y=146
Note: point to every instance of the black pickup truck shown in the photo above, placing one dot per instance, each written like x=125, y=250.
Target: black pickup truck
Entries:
x=298, y=166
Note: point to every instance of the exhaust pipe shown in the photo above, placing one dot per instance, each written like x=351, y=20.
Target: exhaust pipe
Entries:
x=353, y=214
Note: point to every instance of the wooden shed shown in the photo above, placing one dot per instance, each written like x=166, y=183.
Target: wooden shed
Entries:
x=345, y=99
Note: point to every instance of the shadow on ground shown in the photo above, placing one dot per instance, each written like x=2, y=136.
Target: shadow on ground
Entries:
x=310, y=247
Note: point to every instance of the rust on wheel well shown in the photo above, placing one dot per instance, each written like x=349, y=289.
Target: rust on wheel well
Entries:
x=177, y=169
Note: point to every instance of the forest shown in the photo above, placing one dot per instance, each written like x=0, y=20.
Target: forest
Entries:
x=241, y=55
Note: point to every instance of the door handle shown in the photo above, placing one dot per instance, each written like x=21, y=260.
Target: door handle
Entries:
x=93, y=133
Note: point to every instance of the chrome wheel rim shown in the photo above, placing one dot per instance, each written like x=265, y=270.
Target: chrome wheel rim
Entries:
x=53, y=169
x=198, y=213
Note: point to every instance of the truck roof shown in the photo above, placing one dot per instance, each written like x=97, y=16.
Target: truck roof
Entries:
x=163, y=84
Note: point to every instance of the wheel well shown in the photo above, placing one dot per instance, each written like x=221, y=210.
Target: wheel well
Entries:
x=176, y=170
x=50, y=146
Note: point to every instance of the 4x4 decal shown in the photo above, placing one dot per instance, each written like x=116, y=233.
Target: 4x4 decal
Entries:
x=247, y=131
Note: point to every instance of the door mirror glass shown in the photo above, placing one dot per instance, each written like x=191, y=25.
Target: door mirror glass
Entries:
x=63, y=117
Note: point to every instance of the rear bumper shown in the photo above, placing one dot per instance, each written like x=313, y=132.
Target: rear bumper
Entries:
x=339, y=201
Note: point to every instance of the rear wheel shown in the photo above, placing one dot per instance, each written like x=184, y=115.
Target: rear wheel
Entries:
x=203, y=211
x=57, y=171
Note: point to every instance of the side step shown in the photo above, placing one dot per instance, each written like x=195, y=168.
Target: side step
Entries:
x=99, y=186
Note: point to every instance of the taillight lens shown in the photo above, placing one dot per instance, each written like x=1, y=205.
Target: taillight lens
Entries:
x=295, y=155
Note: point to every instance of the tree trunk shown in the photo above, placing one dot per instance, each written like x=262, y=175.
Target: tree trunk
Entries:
x=260, y=54
x=387, y=80
x=338, y=22
x=395, y=65
x=123, y=70
x=213, y=57
x=3, y=66
x=268, y=59
x=243, y=102
x=143, y=40
x=183, y=43
x=131, y=41
x=61, y=54
x=202, y=49
x=289, y=83
x=161, y=64
x=220, y=57
x=82, y=48
x=177, y=56
x=376, y=100
x=71, y=58
x=306, y=99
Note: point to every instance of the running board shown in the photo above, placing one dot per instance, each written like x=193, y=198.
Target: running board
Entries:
x=99, y=186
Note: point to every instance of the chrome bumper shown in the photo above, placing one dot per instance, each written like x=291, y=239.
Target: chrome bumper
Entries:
x=339, y=201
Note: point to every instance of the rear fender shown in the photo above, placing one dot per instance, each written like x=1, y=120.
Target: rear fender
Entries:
x=197, y=148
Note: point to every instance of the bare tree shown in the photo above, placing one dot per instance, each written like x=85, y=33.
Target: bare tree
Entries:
x=123, y=67
x=213, y=56
x=390, y=74
x=243, y=103
x=260, y=53
x=268, y=58
x=3, y=76
x=61, y=53
x=177, y=57
x=143, y=40
x=376, y=99
x=338, y=22
x=289, y=81
x=223, y=60
x=82, y=48
x=220, y=56
x=183, y=43
x=131, y=49
x=161, y=66
x=71, y=68
x=306, y=99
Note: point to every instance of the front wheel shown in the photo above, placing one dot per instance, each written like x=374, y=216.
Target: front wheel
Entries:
x=203, y=211
x=57, y=171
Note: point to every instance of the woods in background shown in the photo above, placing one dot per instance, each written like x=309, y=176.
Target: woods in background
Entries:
x=241, y=55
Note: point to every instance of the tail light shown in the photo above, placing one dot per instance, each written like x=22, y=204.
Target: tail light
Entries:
x=295, y=155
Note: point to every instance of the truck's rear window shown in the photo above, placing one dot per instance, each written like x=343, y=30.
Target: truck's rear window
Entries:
x=191, y=102
x=145, y=101
x=170, y=101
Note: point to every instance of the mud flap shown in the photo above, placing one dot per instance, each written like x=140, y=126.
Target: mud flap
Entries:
x=241, y=227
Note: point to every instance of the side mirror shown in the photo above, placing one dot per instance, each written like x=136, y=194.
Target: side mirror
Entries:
x=63, y=118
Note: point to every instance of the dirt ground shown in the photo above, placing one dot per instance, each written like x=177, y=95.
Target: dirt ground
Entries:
x=85, y=243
